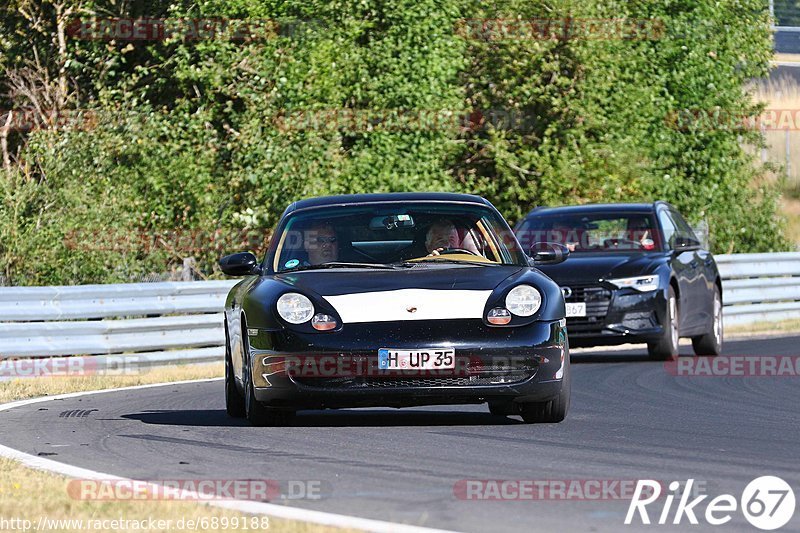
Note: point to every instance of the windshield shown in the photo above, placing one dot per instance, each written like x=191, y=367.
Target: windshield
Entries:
x=592, y=232
x=394, y=234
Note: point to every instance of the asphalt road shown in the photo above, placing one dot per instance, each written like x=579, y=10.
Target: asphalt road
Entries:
x=630, y=419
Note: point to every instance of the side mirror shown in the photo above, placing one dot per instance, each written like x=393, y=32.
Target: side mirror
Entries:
x=685, y=244
x=548, y=253
x=241, y=264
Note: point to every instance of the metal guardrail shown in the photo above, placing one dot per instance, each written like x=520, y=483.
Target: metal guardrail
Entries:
x=161, y=323
x=164, y=323
x=760, y=287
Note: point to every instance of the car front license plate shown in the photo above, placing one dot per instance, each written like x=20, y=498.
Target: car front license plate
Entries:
x=576, y=309
x=423, y=359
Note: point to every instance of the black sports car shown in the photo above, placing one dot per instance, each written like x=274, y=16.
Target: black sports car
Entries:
x=395, y=300
x=638, y=274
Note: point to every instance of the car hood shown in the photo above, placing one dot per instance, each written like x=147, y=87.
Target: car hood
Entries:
x=589, y=268
x=433, y=277
x=422, y=292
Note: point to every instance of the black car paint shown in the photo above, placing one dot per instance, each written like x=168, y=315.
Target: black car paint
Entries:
x=692, y=272
x=253, y=301
x=471, y=339
x=540, y=339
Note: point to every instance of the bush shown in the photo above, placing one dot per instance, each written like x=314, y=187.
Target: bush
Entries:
x=198, y=146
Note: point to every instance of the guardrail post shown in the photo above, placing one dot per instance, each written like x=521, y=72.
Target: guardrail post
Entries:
x=189, y=265
x=788, y=156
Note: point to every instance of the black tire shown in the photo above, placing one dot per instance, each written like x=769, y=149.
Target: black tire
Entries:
x=257, y=413
x=711, y=342
x=502, y=408
x=667, y=347
x=234, y=402
x=551, y=411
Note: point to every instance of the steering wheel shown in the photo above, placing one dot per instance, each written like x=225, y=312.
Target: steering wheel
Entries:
x=447, y=251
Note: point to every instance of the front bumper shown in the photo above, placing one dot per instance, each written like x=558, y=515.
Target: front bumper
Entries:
x=340, y=369
x=616, y=316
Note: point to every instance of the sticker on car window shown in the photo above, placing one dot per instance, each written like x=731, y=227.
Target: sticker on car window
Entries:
x=291, y=263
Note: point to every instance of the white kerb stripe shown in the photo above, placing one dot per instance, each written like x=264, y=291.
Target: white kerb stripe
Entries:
x=409, y=304
x=245, y=506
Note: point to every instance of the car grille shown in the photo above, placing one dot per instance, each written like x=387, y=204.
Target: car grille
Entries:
x=476, y=373
x=597, y=301
x=410, y=382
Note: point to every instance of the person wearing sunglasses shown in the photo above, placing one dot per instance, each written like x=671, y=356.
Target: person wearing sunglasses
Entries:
x=320, y=243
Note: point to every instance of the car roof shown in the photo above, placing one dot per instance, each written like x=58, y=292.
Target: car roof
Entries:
x=354, y=199
x=597, y=208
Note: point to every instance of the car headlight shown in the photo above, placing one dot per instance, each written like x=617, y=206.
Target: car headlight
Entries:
x=640, y=283
x=295, y=308
x=523, y=300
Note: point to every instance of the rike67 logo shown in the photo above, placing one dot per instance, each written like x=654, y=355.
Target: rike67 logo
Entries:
x=767, y=502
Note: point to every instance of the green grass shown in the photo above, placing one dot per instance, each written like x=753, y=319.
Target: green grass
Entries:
x=28, y=494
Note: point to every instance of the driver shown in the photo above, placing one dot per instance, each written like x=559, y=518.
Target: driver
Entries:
x=320, y=243
x=639, y=230
x=443, y=235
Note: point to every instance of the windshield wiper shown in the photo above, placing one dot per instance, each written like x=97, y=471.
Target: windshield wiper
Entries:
x=339, y=264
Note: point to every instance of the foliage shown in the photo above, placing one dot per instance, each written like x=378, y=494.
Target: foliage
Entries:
x=193, y=147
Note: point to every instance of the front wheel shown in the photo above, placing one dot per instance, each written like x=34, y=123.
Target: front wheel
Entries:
x=711, y=342
x=503, y=408
x=256, y=412
x=667, y=347
x=261, y=416
x=551, y=411
x=234, y=402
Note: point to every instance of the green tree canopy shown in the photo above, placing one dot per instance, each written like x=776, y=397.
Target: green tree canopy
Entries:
x=192, y=146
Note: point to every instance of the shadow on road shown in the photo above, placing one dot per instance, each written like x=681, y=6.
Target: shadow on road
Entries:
x=628, y=356
x=187, y=417
x=385, y=417
x=608, y=357
x=331, y=418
